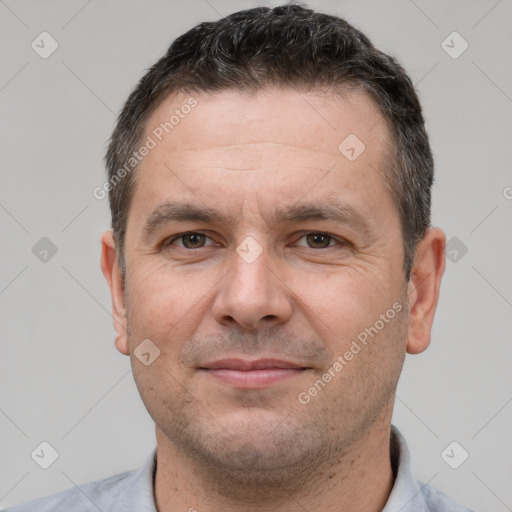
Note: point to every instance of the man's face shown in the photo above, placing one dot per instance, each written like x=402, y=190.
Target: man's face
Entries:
x=260, y=300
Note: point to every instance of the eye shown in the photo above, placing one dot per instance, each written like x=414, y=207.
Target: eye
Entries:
x=192, y=240
x=197, y=240
x=319, y=240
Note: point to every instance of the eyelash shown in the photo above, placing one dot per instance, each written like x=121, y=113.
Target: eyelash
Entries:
x=338, y=241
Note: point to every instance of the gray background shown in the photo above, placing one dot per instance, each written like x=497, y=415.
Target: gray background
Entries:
x=62, y=380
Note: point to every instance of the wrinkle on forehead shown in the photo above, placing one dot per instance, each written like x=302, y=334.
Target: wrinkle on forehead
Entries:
x=254, y=155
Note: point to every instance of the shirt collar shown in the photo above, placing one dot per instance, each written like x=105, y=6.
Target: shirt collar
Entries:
x=140, y=489
x=406, y=495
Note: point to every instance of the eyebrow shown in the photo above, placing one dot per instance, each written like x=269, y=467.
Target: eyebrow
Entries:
x=169, y=212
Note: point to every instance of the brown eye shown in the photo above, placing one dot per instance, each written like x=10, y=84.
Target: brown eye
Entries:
x=318, y=240
x=190, y=240
x=193, y=240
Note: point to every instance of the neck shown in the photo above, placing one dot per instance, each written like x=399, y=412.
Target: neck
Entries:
x=360, y=479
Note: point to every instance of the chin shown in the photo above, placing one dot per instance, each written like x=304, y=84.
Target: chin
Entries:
x=253, y=446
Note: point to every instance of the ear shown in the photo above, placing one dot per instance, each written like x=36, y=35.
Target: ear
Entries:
x=423, y=288
x=112, y=273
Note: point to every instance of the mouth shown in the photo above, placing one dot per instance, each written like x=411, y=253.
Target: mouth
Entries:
x=255, y=374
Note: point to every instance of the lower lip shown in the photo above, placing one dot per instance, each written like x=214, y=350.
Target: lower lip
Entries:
x=253, y=378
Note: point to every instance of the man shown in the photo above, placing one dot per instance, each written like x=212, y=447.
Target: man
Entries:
x=270, y=264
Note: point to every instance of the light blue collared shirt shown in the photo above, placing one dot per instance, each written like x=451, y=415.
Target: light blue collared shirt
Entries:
x=133, y=491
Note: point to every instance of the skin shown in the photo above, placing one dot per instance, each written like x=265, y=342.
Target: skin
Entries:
x=303, y=299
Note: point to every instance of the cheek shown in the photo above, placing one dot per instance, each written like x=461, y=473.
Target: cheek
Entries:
x=164, y=304
x=161, y=391
x=344, y=303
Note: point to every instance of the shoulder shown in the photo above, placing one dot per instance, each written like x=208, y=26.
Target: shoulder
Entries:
x=100, y=494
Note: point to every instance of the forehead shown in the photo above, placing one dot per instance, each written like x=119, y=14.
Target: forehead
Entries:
x=317, y=121
x=278, y=144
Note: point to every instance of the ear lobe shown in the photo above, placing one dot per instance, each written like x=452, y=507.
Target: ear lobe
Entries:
x=112, y=273
x=423, y=288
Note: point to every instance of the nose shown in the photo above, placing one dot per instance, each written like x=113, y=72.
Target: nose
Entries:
x=252, y=295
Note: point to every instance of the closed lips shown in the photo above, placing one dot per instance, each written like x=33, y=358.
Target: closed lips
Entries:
x=243, y=374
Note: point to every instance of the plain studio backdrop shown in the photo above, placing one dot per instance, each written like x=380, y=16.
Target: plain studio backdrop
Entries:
x=62, y=380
